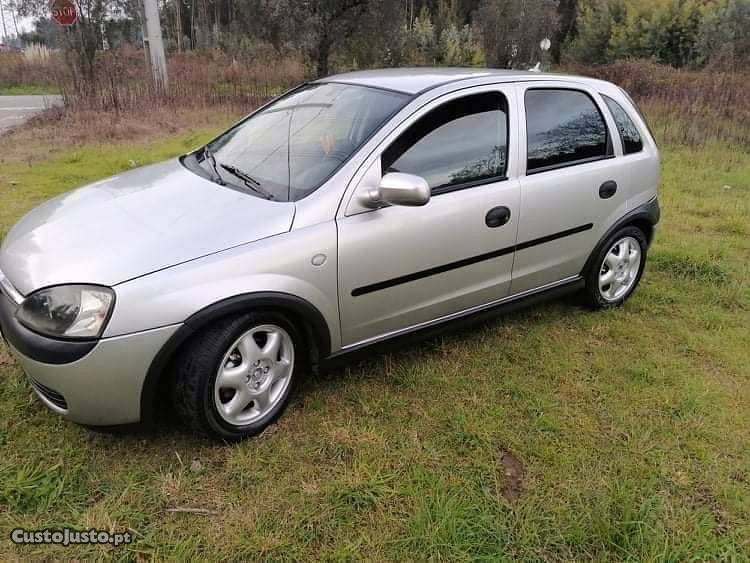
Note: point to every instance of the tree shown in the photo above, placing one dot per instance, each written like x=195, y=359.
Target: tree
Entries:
x=326, y=24
x=268, y=20
x=83, y=40
x=724, y=38
x=566, y=13
x=512, y=29
x=591, y=44
x=46, y=32
x=379, y=35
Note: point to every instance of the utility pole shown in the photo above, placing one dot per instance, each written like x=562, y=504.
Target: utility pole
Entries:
x=154, y=45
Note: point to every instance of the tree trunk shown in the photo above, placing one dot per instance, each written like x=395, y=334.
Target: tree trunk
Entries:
x=566, y=11
x=192, y=24
x=178, y=23
x=323, y=53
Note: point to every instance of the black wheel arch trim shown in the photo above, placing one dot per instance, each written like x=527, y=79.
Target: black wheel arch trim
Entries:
x=35, y=346
x=316, y=332
x=648, y=212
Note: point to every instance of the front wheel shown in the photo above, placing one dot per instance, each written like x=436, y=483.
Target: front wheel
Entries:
x=236, y=377
x=617, y=268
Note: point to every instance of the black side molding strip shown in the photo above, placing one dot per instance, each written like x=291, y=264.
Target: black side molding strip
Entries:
x=365, y=289
x=555, y=236
x=431, y=271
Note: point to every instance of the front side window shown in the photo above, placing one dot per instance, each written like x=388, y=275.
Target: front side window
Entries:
x=631, y=138
x=464, y=141
x=563, y=127
x=288, y=149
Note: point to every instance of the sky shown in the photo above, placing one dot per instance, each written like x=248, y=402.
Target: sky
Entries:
x=24, y=24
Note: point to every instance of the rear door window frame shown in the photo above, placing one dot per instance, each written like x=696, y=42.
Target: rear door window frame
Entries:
x=610, y=149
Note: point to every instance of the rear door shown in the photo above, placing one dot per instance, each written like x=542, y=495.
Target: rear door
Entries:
x=571, y=190
x=400, y=267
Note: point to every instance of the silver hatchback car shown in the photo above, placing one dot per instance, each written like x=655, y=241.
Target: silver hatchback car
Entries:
x=346, y=212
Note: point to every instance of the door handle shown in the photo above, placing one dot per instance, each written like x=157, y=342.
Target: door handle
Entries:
x=497, y=216
x=608, y=189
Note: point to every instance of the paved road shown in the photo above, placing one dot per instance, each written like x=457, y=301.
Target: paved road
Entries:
x=17, y=109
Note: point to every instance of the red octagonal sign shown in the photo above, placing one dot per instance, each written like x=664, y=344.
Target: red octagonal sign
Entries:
x=64, y=12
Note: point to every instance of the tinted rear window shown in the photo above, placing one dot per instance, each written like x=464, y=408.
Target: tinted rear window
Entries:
x=563, y=127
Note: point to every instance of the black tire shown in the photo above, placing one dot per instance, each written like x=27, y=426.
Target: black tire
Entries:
x=592, y=293
x=197, y=367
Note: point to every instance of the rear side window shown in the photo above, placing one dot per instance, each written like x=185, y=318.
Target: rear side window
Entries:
x=631, y=138
x=463, y=142
x=563, y=127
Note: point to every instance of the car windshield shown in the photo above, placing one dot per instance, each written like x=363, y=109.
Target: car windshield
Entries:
x=287, y=150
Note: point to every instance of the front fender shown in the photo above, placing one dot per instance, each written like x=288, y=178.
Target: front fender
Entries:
x=279, y=264
x=316, y=332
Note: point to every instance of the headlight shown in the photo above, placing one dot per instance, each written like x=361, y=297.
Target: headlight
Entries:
x=68, y=311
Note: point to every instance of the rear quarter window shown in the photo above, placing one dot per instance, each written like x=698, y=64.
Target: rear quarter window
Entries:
x=629, y=134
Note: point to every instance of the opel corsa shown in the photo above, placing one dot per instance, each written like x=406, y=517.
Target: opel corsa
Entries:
x=348, y=211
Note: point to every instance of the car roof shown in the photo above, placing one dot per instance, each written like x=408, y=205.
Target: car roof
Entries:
x=420, y=79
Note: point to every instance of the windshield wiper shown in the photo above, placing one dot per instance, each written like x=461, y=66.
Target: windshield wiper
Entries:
x=249, y=181
x=208, y=155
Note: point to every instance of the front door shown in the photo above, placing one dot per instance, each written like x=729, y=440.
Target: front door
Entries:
x=400, y=267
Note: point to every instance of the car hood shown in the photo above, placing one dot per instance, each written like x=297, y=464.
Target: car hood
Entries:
x=134, y=224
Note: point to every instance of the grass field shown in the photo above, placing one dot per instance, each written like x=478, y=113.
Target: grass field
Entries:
x=555, y=433
x=26, y=89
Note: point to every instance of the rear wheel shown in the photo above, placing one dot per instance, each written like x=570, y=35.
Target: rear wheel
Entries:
x=617, y=268
x=236, y=377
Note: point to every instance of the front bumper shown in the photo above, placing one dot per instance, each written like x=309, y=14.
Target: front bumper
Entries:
x=98, y=386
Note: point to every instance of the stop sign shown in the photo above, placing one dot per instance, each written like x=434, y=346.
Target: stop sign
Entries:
x=64, y=12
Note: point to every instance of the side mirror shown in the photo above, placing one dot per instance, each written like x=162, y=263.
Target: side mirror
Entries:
x=397, y=188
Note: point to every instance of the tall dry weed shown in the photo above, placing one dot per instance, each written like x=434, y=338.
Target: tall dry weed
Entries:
x=684, y=107
x=195, y=80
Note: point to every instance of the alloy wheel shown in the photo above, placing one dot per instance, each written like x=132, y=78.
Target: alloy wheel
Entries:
x=254, y=375
x=619, y=270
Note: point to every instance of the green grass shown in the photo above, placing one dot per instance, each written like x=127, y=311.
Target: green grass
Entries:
x=633, y=425
x=27, y=89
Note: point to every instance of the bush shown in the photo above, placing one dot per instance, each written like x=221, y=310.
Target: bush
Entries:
x=681, y=33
